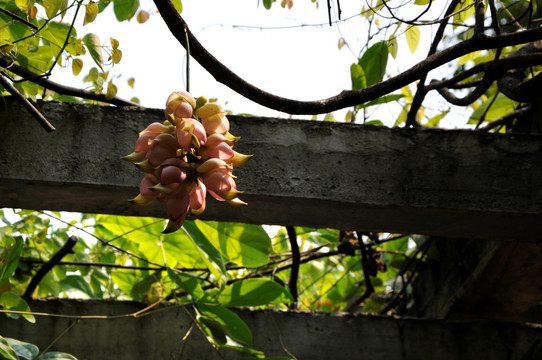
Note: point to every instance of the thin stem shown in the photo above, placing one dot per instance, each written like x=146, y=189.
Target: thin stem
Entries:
x=187, y=58
x=67, y=38
x=58, y=337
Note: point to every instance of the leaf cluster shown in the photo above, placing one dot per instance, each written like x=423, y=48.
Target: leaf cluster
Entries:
x=209, y=266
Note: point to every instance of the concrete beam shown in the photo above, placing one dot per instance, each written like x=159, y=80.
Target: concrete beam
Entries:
x=319, y=174
x=160, y=335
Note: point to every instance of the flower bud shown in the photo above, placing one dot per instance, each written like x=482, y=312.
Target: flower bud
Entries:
x=181, y=104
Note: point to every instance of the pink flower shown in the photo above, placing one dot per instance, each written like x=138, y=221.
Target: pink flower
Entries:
x=197, y=198
x=216, y=124
x=180, y=104
x=190, y=132
x=217, y=176
x=218, y=146
x=163, y=147
x=155, y=129
x=146, y=183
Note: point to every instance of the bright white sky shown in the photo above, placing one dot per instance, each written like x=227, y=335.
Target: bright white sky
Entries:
x=302, y=63
x=273, y=49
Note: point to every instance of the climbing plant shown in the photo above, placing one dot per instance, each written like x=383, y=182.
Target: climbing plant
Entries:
x=493, y=48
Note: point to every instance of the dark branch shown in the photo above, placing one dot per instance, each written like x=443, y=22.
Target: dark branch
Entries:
x=61, y=89
x=64, y=250
x=26, y=104
x=492, y=71
x=296, y=256
x=224, y=75
x=18, y=18
x=369, y=289
x=420, y=91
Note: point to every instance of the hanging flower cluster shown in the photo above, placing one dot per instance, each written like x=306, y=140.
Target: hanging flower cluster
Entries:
x=186, y=156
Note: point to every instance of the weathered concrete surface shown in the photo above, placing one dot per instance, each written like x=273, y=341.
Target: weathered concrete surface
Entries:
x=304, y=335
x=447, y=183
x=479, y=280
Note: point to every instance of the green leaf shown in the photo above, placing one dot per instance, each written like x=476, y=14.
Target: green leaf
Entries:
x=468, y=57
x=357, y=75
x=213, y=329
x=94, y=46
x=374, y=62
x=76, y=282
x=245, y=244
x=10, y=300
x=254, y=292
x=6, y=350
x=178, y=5
x=188, y=283
x=55, y=355
x=413, y=35
x=393, y=46
x=23, y=349
x=498, y=108
x=267, y=4
x=77, y=66
x=9, y=258
x=435, y=120
x=52, y=7
x=210, y=255
x=111, y=90
x=24, y=5
x=233, y=324
x=125, y=9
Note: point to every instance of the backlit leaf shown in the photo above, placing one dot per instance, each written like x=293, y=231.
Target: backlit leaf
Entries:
x=9, y=258
x=91, y=11
x=77, y=66
x=254, y=292
x=125, y=9
x=374, y=62
x=209, y=254
x=116, y=55
x=178, y=5
x=10, y=300
x=94, y=46
x=392, y=46
x=468, y=57
x=188, y=283
x=413, y=38
x=357, y=75
x=111, y=90
x=52, y=7
x=245, y=244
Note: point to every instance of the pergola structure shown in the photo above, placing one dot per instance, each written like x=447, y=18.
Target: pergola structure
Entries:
x=478, y=194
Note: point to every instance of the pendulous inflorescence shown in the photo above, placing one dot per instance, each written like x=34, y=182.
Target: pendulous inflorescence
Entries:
x=187, y=156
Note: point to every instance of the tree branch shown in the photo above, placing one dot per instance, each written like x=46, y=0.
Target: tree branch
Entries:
x=27, y=75
x=36, y=279
x=420, y=91
x=26, y=104
x=296, y=256
x=224, y=75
